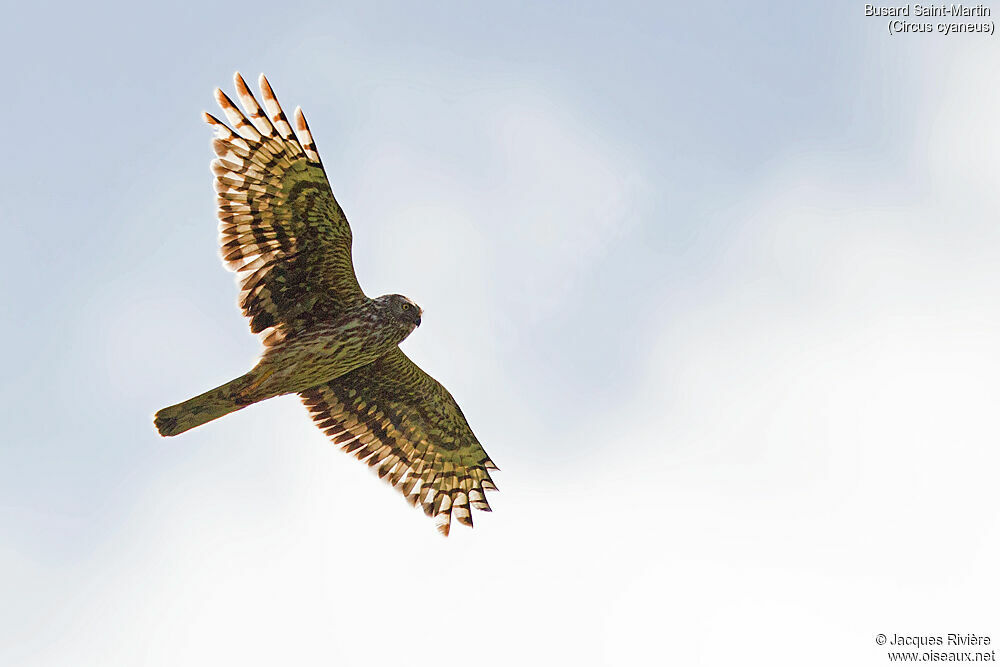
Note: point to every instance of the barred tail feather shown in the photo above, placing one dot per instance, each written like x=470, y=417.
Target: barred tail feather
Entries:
x=203, y=408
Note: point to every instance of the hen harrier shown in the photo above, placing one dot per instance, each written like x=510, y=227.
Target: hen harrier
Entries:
x=287, y=239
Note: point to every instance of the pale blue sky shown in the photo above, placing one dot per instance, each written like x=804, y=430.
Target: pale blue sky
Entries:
x=715, y=285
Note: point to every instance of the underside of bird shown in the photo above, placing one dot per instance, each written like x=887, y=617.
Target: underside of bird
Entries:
x=289, y=242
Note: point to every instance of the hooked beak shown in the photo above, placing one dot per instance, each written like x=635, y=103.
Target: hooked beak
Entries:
x=419, y=313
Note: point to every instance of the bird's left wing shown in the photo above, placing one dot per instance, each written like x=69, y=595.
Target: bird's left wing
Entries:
x=281, y=228
x=402, y=422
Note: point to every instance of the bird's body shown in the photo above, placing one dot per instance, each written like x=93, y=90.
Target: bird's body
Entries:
x=302, y=360
x=328, y=350
x=285, y=235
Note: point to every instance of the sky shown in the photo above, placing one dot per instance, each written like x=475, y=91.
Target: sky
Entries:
x=715, y=285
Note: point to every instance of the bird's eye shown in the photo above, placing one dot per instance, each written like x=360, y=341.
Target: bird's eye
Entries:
x=406, y=306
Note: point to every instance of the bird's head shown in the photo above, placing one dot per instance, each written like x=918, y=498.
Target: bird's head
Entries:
x=400, y=310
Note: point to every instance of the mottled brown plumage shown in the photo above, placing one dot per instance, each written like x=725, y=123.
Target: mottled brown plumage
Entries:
x=286, y=237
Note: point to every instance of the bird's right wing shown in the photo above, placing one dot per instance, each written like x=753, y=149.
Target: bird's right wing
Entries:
x=281, y=228
x=393, y=415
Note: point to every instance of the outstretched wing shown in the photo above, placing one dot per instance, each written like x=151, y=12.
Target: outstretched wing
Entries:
x=281, y=229
x=392, y=415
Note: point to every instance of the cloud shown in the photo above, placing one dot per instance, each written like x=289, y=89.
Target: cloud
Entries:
x=803, y=457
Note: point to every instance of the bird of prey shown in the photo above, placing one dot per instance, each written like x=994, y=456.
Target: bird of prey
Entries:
x=286, y=237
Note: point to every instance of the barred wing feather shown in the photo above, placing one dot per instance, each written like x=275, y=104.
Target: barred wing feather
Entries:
x=403, y=423
x=282, y=231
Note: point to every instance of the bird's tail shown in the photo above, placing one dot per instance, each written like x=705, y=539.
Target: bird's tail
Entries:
x=201, y=409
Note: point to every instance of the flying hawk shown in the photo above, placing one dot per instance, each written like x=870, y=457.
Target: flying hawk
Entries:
x=286, y=237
